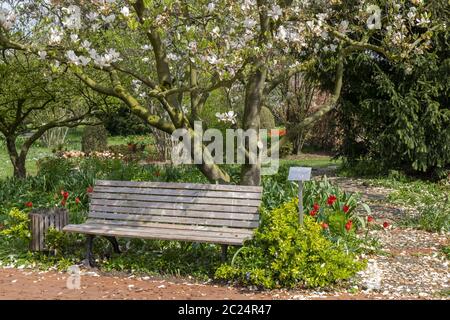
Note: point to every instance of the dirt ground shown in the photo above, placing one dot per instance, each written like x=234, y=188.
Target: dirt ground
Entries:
x=25, y=284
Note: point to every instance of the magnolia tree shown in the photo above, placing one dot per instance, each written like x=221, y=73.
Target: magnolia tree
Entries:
x=178, y=52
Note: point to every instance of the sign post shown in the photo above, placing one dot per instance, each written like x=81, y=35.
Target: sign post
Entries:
x=300, y=174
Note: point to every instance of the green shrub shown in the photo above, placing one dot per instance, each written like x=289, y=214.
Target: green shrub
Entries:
x=267, y=119
x=283, y=254
x=122, y=122
x=16, y=226
x=286, y=149
x=95, y=138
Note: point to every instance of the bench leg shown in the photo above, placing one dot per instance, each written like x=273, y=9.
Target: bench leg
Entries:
x=89, y=261
x=114, y=243
x=224, y=252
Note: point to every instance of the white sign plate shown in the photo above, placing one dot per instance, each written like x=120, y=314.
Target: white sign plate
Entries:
x=299, y=174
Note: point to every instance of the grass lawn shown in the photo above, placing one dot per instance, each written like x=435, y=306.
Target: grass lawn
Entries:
x=39, y=151
x=73, y=142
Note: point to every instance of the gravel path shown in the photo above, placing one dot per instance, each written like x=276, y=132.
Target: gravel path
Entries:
x=412, y=264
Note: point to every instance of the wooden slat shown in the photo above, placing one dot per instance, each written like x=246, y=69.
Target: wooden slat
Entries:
x=175, y=199
x=174, y=185
x=177, y=220
x=176, y=213
x=171, y=226
x=169, y=205
x=181, y=192
x=145, y=234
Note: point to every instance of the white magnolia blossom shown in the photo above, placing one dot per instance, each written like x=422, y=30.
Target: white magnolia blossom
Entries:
x=42, y=54
x=146, y=47
x=84, y=60
x=249, y=23
x=55, y=36
x=73, y=21
x=125, y=11
x=77, y=60
x=136, y=84
x=72, y=57
x=282, y=33
x=275, y=12
x=95, y=27
x=229, y=116
x=215, y=32
x=211, y=7
x=412, y=14
x=248, y=4
x=86, y=44
x=192, y=46
x=74, y=38
x=212, y=59
x=343, y=26
x=92, y=16
x=423, y=20
x=109, y=19
x=173, y=56
x=7, y=18
x=105, y=60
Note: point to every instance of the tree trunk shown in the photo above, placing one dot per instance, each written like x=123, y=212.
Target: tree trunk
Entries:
x=18, y=161
x=19, y=168
x=251, y=173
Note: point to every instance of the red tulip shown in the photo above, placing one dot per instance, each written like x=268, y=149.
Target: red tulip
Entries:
x=316, y=207
x=331, y=199
x=348, y=225
x=369, y=219
x=346, y=208
x=29, y=204
x=63, y=202
x=90, y=189
x=77, y=200
x=324, y=225
x=385, y=224
x=64, y=194
x=312, y=213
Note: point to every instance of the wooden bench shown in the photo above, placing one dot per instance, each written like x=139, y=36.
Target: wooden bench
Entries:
x=220, y=214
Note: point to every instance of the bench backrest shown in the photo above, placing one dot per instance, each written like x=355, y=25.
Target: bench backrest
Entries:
x=176, y=203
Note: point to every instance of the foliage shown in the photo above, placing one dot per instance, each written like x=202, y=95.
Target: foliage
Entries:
x=446, y=251
x=286, y=149
x=427, y=202
x=400, y=118
x=16, y=226
x=267, y=119
x=283, y=254
x=121, y=122
x=95, y=138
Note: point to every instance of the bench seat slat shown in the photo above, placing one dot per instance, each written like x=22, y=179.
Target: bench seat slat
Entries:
x=177, y=220
x=176, y=185
x=152, y=234
x=176, y=213
x=174, y=199
x=181, y=192
x=172, y=205
x=213, y=229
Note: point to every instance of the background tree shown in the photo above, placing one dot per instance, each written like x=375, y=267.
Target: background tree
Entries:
x=27, y=92
x=398, y=116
